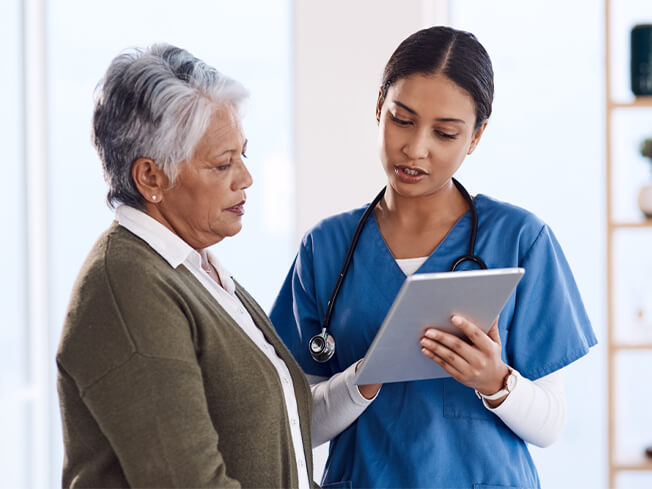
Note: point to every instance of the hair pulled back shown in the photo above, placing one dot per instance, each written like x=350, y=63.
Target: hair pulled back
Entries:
x=443, y=50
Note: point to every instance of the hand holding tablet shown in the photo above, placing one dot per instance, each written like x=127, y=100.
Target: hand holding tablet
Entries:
x=430, y=300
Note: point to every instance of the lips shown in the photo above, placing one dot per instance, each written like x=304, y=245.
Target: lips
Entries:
x=237, y=209
x=409, y=174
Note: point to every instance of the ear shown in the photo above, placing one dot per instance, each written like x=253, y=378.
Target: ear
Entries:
x=379, y=104
x=477, y=134
x=150, y=180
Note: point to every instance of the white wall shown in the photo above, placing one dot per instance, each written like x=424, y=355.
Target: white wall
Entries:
x=341, y=48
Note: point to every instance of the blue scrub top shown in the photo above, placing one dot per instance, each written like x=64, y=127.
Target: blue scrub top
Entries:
x=432, y=433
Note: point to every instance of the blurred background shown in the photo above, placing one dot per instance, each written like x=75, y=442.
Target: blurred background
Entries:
x=563, y=141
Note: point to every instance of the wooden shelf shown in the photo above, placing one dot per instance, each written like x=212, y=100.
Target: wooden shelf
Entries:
x=631, y=346
x=638, y=102
x=633, y=464
x=623, y=462
x=647, y=223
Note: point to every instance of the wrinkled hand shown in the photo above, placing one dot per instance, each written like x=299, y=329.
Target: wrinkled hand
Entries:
x=477, y=365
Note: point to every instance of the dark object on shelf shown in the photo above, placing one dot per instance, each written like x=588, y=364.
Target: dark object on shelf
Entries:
x=648, y=451
x=646, y=148
x=641, y=59
x=645, y=193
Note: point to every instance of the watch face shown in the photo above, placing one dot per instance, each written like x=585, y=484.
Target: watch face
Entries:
x=511, y=382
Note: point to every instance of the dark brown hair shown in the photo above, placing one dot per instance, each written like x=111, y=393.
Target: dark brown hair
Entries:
x=443, y=50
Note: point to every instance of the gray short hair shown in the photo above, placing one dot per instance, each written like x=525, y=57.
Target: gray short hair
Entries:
x=154, y=103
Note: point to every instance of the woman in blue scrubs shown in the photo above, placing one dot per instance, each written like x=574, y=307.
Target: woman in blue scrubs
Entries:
x=469, y=430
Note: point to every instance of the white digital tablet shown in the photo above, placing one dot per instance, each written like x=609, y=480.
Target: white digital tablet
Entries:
x=430, y=299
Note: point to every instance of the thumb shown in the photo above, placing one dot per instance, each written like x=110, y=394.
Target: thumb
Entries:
x=493, y=331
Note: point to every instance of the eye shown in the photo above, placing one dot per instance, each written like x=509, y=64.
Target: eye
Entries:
x=224, y=167
x=244, y=155
x=446, y=135
x=398, y=121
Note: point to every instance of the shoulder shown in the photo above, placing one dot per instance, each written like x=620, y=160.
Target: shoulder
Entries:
x=494, y=209
x=122, y=267
x=334, y=230
x=118, y=258
x=123, y=293
x=91, y=319
x=115, y=248
x=126, y=251
x=515, y=223
x=129, y=259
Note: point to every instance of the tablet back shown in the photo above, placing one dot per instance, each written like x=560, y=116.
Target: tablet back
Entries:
x=430, y=299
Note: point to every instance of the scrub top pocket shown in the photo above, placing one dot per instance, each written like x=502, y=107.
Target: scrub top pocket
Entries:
x=460, y=401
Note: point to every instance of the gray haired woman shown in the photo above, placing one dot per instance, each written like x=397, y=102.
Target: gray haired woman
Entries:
x=170, y=374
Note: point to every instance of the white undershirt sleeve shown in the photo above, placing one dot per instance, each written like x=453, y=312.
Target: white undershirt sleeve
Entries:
x=535, y=410
x=336, y=403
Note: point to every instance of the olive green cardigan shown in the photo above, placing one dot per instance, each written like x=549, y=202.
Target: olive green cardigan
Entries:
x=159, y=387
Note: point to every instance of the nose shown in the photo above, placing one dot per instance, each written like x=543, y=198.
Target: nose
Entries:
x=243, y=179
x=416, y=147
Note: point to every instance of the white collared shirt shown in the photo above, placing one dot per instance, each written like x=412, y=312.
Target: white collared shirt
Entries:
x=177, y=252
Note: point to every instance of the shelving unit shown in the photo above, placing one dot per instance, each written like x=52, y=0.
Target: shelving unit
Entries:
x=618, y=463
x=638, y=102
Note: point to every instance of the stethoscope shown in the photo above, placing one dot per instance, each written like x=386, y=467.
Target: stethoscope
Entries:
x=322, y=345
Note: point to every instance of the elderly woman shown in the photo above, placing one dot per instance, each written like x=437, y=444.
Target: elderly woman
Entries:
x=170, y=374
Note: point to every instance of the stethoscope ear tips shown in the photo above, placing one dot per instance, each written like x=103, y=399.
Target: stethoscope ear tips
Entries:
x=322, y=347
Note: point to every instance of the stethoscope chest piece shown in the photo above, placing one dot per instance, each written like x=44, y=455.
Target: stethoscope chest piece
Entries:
x=322, y=346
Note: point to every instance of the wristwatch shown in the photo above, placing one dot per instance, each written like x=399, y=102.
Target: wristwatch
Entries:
x=509, y=383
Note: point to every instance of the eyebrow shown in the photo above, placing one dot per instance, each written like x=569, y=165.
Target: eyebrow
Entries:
x=227, y=151
x=440, y=119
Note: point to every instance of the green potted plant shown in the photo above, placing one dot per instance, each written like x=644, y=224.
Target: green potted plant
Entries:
x=645, y=194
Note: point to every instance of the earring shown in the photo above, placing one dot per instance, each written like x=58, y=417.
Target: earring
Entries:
x=153, y=197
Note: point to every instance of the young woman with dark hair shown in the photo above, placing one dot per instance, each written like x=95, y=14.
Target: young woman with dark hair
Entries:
x=505, y=387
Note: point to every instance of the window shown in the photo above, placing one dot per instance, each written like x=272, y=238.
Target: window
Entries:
x=16, y=391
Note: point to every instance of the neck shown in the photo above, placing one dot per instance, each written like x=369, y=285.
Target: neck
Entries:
x=445, y=204
x=195, y=240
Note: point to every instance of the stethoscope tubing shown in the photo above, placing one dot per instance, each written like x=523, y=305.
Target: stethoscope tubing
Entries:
x=323, y=338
